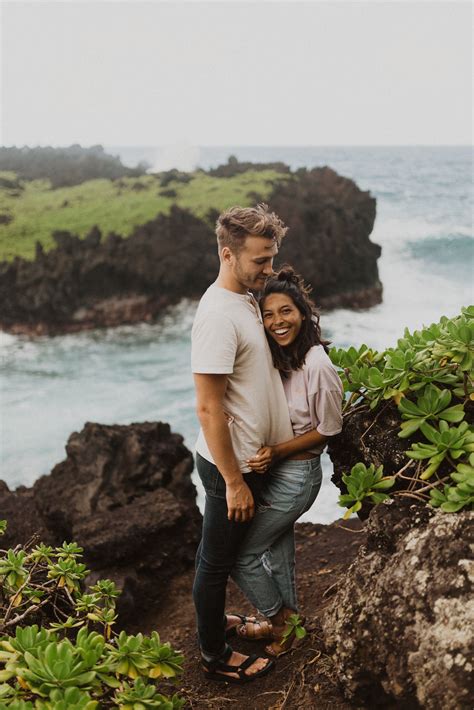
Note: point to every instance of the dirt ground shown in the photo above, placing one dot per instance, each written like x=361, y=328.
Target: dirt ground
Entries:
x=303, y=678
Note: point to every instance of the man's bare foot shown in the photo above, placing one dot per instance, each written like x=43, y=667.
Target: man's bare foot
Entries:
x=237, y=668
x=237, y=658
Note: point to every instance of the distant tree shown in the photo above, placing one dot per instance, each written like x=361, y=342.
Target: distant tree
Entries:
x=233, y=167
x=66, y=166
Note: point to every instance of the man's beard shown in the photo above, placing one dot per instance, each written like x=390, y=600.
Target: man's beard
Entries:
x=252, y=284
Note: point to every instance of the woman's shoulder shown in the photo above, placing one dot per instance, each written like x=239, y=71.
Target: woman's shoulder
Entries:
x=319, y=368
x=317, y=355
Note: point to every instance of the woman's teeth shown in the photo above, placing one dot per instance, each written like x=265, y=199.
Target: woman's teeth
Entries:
x=281, y=331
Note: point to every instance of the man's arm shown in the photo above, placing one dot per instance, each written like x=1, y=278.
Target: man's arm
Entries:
x=269, y=455
x=210, y=390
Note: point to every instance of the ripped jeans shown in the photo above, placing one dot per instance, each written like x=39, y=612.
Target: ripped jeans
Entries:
x=265, y=567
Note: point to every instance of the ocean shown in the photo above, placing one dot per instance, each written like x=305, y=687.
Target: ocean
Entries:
x=51, y=386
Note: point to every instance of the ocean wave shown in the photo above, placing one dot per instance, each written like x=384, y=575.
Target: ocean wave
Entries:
x=406, y=230
x=452, y=253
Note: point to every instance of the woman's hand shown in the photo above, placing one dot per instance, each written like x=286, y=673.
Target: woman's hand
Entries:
x=265, y=457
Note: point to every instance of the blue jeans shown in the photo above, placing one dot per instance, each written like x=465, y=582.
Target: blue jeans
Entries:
x=265, y=567
x=216, y=556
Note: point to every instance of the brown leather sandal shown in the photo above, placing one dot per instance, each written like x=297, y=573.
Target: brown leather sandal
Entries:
x=293, y=632
x=250, y=628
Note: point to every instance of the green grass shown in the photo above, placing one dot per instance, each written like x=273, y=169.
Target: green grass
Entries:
x=37, y=210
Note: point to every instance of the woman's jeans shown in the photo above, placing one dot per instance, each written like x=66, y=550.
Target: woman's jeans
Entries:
x=265, y=568
x=216, y=555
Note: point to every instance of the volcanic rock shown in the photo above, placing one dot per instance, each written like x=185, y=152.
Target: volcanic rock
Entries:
x=106, y=281
x=330, y=221
x=402, y=623
x=124, y=493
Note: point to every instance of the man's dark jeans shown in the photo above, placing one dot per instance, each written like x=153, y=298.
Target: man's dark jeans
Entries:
x=216, y=555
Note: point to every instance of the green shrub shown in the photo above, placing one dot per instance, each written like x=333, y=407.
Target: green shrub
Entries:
x=364, y=484
x=58, y=648
x=429, y=376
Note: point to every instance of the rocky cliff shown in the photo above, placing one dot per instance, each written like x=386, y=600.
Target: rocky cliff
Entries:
x=125, y=494
x=105, y=281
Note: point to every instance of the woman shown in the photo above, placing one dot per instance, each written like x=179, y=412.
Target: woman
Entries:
x=265, y=569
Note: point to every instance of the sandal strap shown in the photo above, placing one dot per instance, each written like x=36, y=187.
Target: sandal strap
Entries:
x=219, y=665
x=240, y=670
x=257, y=629
x=249, y=661
x=243, y=619
x=210, y=664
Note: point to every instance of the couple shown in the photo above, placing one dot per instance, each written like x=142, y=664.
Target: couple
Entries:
x=268, y=398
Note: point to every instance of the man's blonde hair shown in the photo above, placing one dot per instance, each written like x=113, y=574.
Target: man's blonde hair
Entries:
x=237, y=223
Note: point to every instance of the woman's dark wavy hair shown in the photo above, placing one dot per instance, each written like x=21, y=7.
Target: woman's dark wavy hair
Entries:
x=291, y=284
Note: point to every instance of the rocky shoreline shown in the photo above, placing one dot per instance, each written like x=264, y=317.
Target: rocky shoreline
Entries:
x=107, y=280
x=387, y=602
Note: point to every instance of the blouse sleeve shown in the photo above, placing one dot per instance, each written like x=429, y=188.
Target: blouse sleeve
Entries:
x=325, y=395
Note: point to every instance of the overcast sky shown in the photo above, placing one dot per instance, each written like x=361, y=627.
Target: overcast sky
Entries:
x=236, y=73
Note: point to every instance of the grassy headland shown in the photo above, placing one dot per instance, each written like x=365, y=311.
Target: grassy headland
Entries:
x=31, y=211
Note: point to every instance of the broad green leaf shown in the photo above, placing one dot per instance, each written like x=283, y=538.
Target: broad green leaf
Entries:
x=409, y=408
x=451, y=507
x=385, y=484
x=300, y=632
x=436, y=493
x=409, y=427
x=453, y=414
x=430, y=432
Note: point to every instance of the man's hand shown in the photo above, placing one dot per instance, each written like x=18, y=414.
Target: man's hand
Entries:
x=240, y=503
x=263, y=459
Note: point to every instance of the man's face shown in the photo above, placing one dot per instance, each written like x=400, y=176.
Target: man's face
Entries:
x=252, y=266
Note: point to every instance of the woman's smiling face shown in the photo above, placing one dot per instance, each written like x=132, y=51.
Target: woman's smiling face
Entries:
x=281, y=318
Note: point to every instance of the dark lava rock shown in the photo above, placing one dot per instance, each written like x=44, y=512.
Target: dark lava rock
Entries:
x=330, y=221
x=101, y=282
x=370, y=437
x=402, y=623
x=124, y=493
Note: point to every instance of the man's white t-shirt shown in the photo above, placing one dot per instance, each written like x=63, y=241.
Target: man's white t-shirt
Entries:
x=228, y=338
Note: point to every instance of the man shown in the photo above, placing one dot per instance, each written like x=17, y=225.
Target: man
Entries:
x=241, y=406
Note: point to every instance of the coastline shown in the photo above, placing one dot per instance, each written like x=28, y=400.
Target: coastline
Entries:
x=131, y=310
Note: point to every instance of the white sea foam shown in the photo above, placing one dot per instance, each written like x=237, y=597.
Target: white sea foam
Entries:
x=6, y=339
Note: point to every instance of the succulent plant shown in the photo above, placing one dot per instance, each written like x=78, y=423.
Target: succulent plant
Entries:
x=145, y=697
x=428, y=375
x=364, y=483
x=56, y=668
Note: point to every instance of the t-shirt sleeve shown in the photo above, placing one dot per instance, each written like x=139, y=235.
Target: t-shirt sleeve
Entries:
x=213, y=344
x=325, y=395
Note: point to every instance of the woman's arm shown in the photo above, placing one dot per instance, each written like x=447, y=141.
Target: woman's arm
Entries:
x=269, y=455
x=325, y=394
